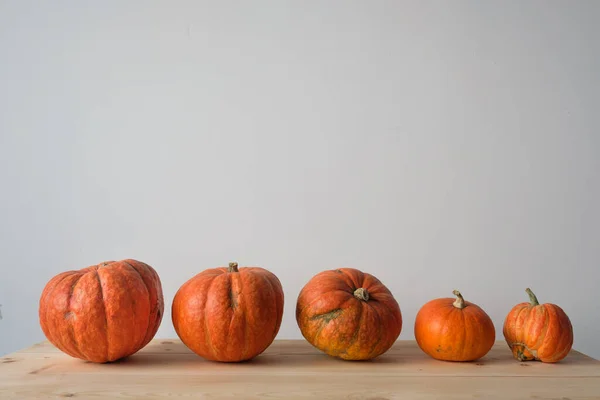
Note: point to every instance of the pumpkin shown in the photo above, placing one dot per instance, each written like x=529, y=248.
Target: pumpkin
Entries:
x=454, y=330
x=348, y=314
x=229, y=314
x=537, y=331
x=104, y=312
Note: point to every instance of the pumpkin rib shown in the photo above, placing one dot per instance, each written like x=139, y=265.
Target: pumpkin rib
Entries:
x=244, y=312
x=105, y=314
x=358, y=326
x=70, y=348
x=49, y=332
x=559, y=320
x=88, y=321
x=307, y=306
x=118, y=275
x=131, y=301
x=375, y=350
x=347, y=279
x=155, y=307
x=160, y=304
x=568, y=340
x=57, y=320
x=379, y=335
x=465, y=332
x=518, y=329
x=558, y=344
x=136, y=345
x=234, y=314
x=266, y=278
x=544, y=330
x=71, y=328
x=357, y=277
x=206, y=327
x=381, y=309
x=518, y=333
x=528, y=326
x=279, y=297
x=195, y=338
x=392, y=310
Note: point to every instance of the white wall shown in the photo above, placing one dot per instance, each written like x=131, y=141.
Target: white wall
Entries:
x=437, y=145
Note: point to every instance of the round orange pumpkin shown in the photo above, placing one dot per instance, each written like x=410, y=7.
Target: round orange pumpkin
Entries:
x=454, y=329
x=537, y=331
x=104, y=312
x=348, y=314
x=229, y=314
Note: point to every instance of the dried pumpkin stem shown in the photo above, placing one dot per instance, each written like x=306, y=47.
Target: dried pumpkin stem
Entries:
x=532, y=299
x=361, y=294
x=233, y=267
x=460, y=301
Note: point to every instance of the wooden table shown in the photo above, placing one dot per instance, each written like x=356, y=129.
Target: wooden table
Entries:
x=293, y=369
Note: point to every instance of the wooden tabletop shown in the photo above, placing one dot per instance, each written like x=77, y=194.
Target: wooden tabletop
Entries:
x=293, y=369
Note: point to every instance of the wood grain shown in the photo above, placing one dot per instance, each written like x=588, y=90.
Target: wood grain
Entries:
x=294, y=369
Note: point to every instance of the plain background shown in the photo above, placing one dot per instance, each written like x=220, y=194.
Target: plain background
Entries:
x=434, y=144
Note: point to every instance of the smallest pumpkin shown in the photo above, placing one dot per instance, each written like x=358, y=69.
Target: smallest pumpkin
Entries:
x=537, y=331
x=454, y=330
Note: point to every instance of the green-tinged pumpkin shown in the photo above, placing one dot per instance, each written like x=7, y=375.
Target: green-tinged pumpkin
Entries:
x=348, y=314
x=535, y=331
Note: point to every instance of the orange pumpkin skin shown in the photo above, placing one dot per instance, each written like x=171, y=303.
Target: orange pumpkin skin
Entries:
x=536, y=331
x=447, y=332
x=229, y=314
x=104, y=312
x=348, y=314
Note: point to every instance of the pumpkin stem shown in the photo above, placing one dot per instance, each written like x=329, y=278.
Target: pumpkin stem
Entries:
x=460, y=301
x=532, y=299
x=233, y=267
x=361, y=294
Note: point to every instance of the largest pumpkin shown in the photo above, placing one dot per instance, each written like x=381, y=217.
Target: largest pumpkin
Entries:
x=104, y=312
x=229, y=314
x=348, y=314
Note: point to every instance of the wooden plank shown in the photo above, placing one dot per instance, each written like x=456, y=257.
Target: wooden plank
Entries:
x=167, y=367
x=301, y=387
x=309, y=364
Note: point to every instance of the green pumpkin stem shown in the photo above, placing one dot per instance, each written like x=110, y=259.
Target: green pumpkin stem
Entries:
x=460, y=301
x=233, y=267
x=532, y=299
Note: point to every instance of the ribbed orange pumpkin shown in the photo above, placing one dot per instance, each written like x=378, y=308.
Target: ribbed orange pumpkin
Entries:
x=229, y=314
x=454, y=330
x=104, y=312
x=348, y=314
x=537, y=331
